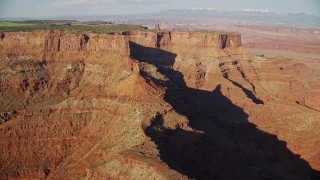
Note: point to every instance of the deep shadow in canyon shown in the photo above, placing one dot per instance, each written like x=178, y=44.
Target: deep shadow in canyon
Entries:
x=223, y=144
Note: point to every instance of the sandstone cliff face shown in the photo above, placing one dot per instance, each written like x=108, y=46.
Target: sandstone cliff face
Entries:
x=23, y=38
x=163, y=105
x=67, y=42
x=118, y=43
x=72, y=42
x=189, y=39
x=186, y=39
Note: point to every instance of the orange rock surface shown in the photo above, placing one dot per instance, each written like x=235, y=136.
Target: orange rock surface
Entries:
x=160, y=105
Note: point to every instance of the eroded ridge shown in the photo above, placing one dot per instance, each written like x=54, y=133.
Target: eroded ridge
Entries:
x=162, y=105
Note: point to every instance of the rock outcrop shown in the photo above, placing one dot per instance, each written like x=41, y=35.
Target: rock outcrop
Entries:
x=215, y=40
x=163, y=105
x=118, y=43
x=67, y=42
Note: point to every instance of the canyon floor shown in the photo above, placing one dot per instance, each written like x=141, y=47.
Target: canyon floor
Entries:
x=155, y=105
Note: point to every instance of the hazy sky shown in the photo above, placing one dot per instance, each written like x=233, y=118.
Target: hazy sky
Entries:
x=38, y=8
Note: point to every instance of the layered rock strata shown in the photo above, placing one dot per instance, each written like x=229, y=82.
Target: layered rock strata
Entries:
x=163, y=105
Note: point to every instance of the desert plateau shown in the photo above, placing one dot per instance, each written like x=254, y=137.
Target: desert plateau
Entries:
x=185, y=100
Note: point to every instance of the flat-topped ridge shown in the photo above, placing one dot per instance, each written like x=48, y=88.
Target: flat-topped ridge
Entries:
x=117, y=42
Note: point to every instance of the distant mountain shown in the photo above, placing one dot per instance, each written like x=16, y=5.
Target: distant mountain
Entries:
x=257, y=16
x=261, y=16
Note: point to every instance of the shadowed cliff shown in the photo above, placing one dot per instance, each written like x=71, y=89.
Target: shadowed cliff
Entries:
x=222, y=144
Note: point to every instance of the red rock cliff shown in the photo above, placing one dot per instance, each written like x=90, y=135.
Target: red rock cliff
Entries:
x=116, y=43
x=60, y=41
x=194, y=39
x=232, y=40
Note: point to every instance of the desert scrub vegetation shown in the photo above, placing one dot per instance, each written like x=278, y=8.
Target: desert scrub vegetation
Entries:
x=73, y=26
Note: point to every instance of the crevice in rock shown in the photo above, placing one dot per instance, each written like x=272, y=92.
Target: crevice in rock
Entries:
x=158, y=41
x=306, y=106
x=2, y=36
x=223, y=39
x=83, y=41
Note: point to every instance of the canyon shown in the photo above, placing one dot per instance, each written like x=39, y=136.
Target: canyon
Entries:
x=154, y=104
x=260, y=36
